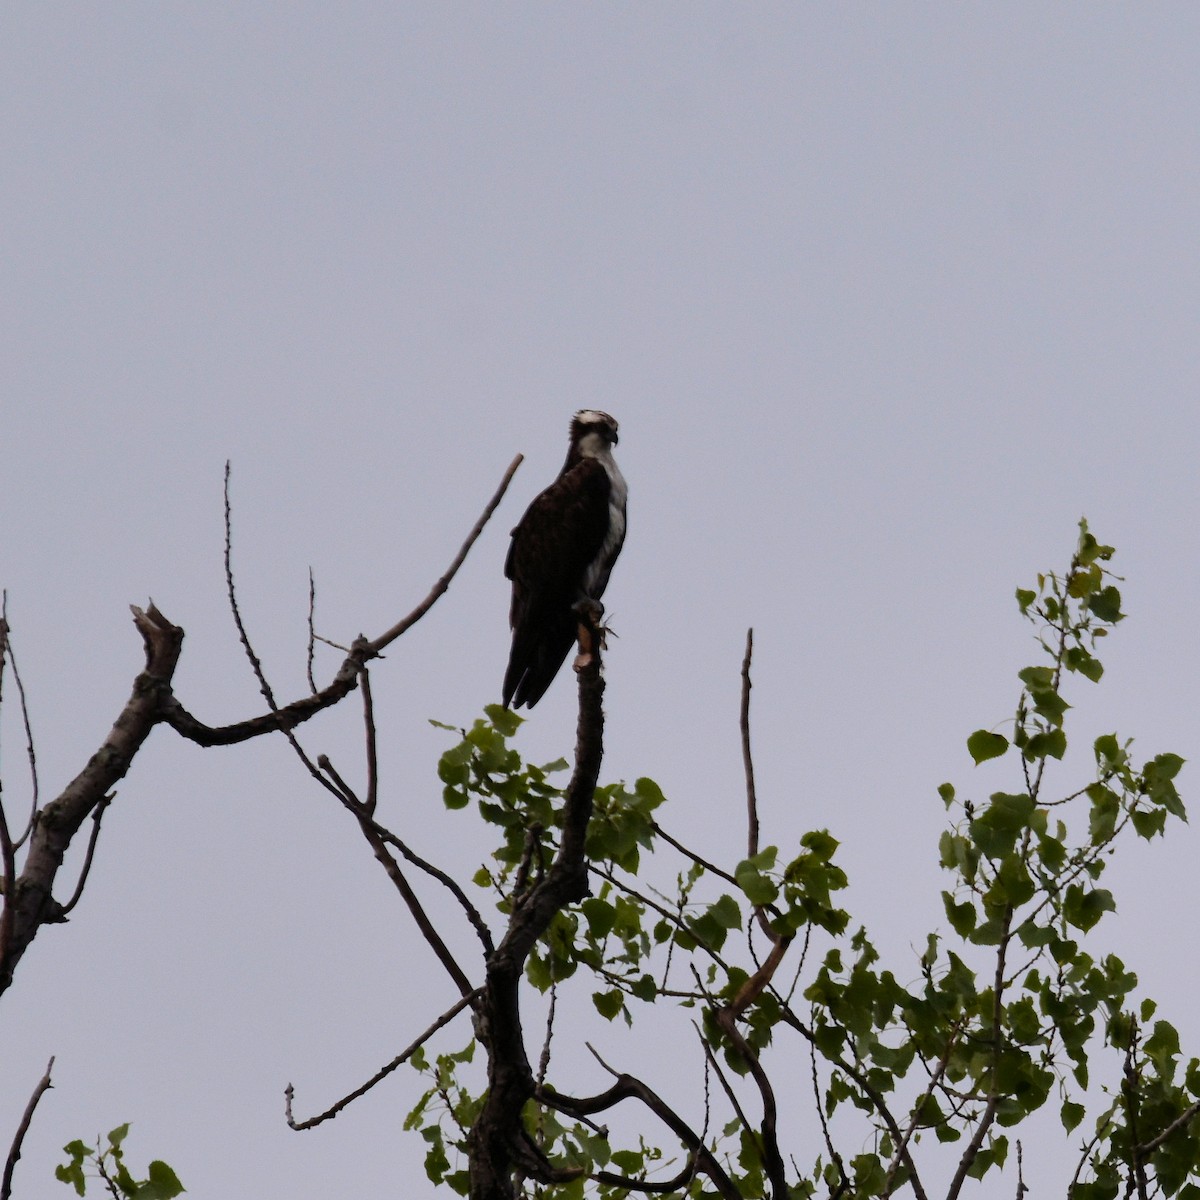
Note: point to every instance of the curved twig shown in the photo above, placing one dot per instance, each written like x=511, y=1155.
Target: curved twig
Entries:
x=91, y=851
x=629, y=1087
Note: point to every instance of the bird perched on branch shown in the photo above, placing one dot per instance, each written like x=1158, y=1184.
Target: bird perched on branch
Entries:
x=561, y=555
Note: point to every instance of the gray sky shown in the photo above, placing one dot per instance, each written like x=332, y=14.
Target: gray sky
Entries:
x=884, y=298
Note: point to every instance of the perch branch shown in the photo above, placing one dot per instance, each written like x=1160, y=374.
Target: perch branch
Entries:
x=498, y=1142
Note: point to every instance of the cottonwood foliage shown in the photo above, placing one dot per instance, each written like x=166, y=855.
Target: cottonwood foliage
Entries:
x=1013, y=1009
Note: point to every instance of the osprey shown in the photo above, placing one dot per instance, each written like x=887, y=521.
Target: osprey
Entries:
x=561, y=555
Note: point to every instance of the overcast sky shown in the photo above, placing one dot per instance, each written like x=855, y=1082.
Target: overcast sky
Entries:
x=885, y=297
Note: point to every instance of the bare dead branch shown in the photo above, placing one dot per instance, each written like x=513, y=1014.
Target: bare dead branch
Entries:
x=335, y=784
x=255, y=662
x=7, y=854
x=726, y=1018
x=379, y=1075
x=285, y=718
x=14, y=1152
x=59, y=821
x=378, y=838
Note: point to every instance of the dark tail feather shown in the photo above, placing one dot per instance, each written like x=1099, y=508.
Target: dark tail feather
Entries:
x=537, y=654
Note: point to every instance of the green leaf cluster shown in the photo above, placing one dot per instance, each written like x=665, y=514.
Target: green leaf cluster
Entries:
x=106, y=1162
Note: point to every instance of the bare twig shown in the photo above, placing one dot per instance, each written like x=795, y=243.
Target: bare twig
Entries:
x=439, y=588
x=876, y=1097
x=243, y=637
x=834, y=1156
x=8, y=913
x=15, y=1151
x=91, y=851
x=747, y=759
x=659, y=1188
x=472, y=913
x=382, y=1073
x=544, y=1060
x=719, y=872
x=7, y=853
x=372, y=757
x=6, y=650
x=424, y=924
x=726, y=1086
x=915, y=1119
x=312, y=630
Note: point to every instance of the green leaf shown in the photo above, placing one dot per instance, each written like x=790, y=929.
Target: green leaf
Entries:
x=504, y=719
x=962, y=917
x=726, y=912
x=759, y=889
x=609, y=1004
x=819, y=843
x=1149, y=823
x=983, y=744
x=1084, y=908
x=1106, y=604
x=163, y=1183
x=1051, y=743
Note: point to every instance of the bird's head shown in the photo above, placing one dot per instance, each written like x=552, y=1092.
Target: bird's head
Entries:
x=593, y=432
